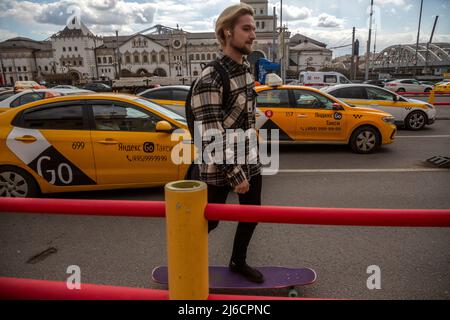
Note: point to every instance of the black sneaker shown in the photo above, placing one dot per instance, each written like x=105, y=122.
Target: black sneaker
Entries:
x=251, y=274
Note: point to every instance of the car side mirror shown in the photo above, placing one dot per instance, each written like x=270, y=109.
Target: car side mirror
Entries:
x=164, y=126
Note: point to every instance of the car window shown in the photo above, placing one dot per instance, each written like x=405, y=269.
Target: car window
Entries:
x=406, y=81
x=273, y=98
x=110, y=117
x=343, y=80
x=67, y=117
x=164, y=94
x=26, y=98
x=349, y=93
x=306, y=99
x=378, y=94
x=180, y=95
x=329, y=78
x=6, y=95
x=166, y=112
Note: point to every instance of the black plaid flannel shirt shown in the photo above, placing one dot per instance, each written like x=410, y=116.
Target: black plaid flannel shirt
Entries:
x=207, y=107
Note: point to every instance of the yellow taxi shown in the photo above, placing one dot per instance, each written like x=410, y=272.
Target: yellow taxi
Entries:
x=306, y=114
x=87, y=142
x=443, y=86
x=168, y=95
x=410, y=113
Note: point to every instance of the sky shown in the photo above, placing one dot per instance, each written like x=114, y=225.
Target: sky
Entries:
x=329, y=21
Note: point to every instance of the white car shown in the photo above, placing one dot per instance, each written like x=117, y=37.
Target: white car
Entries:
x=411, y=113
x=27, y=96
x=64, y=86
x=407, y=85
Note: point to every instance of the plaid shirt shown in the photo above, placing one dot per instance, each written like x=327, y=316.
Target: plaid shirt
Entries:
x=207, y=107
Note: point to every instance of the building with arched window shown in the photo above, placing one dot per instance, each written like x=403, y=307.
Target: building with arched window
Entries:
x=161, y=50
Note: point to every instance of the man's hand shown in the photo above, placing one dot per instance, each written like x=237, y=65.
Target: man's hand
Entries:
x=243, y=187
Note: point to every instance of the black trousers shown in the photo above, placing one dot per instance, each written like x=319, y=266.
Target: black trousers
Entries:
x=244, y=230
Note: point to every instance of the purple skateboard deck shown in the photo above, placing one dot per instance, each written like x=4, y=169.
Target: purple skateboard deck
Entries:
x=275, y=277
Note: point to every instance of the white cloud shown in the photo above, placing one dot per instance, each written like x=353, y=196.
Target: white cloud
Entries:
x=328, y=21
x=408, y=7
x=293, y=13
x=389, y=2
x=95, y=12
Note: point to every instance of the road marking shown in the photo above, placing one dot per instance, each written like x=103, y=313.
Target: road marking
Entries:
x=430, y=136
x=357, y=170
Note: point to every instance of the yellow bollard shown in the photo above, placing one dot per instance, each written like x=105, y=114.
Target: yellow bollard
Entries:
x=431, y=97
x=187, y=240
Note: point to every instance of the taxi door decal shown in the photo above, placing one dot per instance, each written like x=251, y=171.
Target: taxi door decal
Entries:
x=264, y=122
x=46, y=160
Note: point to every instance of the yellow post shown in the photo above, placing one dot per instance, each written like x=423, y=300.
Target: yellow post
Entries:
x=187, y=240
x=431, y=97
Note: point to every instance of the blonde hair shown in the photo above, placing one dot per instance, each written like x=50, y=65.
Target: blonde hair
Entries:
x=228, y=18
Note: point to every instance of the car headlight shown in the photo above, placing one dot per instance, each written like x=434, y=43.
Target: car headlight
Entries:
x=429, y=106
x=389, y=119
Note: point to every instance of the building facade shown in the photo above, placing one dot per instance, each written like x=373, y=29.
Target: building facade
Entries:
x=75, y=55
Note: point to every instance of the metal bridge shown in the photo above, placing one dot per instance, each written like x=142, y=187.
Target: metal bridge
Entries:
x=429, y=55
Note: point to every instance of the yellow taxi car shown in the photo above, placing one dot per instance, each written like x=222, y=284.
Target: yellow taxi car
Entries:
x=87, y=142
x=443, y=86
x=167, y=95
x=410, y=113
x=306, y=114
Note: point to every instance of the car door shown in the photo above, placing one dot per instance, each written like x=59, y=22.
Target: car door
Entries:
x=354, y=95
x=160, y=96
x=275, y=112
x=54, y=141
x=408, y=85
x=387, y=101
x=179, y=96
x=127, y=148
x=417, y=86
x=315, y=118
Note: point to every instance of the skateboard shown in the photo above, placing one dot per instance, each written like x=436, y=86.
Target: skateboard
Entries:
x=275, y=278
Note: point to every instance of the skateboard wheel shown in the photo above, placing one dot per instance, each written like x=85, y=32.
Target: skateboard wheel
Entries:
x=293, y=293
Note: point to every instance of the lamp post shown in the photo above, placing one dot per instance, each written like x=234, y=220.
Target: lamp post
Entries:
x=92, y=68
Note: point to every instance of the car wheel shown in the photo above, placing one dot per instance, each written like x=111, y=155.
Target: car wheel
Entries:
x=17, y=183
x=416, y=120
x=365, y=140
x=401, y=90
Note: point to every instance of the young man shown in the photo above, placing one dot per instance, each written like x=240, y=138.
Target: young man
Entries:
x=235, y=30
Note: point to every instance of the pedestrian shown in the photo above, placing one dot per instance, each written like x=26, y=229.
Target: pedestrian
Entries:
x=235, y=30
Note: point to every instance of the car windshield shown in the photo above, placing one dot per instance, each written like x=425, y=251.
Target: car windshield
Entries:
x=162, y=110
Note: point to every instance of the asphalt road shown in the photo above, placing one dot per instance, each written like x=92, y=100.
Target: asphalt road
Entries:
x=414, y=262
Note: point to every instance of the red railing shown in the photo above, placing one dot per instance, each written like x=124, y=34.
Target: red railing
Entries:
x=229, y=212
x=31, y=289
x=436, y=94
x=12, y=288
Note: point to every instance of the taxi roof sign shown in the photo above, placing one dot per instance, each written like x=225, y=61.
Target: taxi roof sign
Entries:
x=273, y=80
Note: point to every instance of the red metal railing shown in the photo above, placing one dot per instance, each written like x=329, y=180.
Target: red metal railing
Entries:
x=31, y=289
x=229, y=212
x=436, y=94
x=12, y=288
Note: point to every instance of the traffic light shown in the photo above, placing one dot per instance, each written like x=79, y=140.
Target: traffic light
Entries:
x=356, y=48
